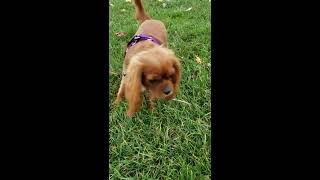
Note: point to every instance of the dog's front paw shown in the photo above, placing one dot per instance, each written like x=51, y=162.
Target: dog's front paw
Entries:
x=116, y=102
x=151, y=106
x=130, y=113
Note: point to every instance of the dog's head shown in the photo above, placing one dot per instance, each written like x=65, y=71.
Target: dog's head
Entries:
x=157, y=70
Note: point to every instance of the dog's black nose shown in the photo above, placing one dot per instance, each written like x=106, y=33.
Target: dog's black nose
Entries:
x=167, y=90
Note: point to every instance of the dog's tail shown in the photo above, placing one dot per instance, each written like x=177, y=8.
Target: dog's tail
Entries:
x=141, y=15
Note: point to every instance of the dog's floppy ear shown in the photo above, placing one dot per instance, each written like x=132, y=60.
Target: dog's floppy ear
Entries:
x=134, y=85
x=177, y=68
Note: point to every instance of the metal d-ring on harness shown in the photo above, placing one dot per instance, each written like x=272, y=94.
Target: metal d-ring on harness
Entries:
x=140, y=37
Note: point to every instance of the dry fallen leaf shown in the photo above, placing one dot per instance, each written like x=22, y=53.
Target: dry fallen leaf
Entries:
x=198, y=60
x=120, y=34
x=164, y=5
x=189, y=9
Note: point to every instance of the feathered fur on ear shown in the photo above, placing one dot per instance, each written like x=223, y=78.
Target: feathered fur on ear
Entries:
x=134, y=85
x=177, y=67
x=164, y=45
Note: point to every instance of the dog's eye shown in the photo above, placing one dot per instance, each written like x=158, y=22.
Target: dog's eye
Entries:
x=173, y=78
x=153, y=81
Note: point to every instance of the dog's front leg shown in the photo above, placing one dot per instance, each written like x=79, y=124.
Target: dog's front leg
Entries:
x=120, y=94
x=151, y=100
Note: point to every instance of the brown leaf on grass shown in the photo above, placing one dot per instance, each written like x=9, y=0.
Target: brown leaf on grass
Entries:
x=121, y=34
x=198, y=60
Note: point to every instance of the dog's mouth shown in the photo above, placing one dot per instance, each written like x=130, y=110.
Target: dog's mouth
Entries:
x=169, y=97
x=165, y=97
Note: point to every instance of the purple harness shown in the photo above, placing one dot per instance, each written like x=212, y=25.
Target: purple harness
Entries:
x=140, y=37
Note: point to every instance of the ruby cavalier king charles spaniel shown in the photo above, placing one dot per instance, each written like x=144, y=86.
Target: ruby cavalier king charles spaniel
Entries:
x=148, y=64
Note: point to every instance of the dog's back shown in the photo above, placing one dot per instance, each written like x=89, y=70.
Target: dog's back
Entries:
x=154, y=28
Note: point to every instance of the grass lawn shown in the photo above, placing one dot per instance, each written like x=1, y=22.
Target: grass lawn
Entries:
x=174, y=141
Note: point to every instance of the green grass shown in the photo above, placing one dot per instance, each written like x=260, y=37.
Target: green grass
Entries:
x=174, y=141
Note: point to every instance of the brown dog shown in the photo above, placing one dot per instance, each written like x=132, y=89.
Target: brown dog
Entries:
x=148, y=65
